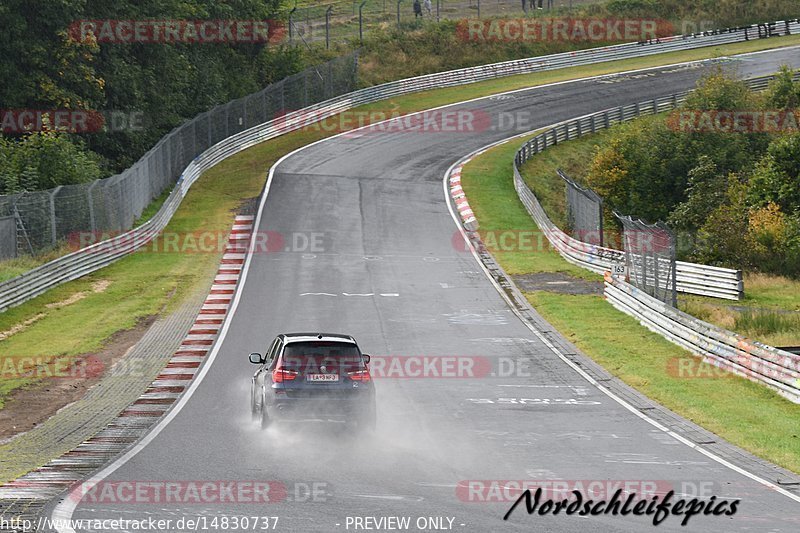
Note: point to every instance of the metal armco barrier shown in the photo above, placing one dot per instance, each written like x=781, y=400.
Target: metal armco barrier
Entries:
x=778, y=369
x=692, y=278
x=90, y=259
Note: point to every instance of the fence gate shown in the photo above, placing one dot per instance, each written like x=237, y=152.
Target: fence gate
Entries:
x=8, y=238
x=584, y=212
x=650, y=258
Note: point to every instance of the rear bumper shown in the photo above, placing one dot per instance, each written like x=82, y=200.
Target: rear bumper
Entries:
x=340, y=409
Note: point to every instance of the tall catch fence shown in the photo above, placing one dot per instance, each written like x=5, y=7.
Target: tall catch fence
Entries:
x=584, y=212
x=650, y=258
x=85, y=212
x=336, y=21
x=8, y=238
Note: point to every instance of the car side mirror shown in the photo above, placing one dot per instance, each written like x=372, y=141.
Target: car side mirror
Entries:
x=366, y=357
x=256, y=358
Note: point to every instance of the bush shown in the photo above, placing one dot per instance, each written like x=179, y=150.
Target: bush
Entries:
x=44, y=160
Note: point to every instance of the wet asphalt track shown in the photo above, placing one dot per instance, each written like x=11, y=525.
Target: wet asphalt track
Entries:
x=377, y=199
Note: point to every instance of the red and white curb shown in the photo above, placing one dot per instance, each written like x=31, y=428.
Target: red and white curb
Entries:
x=458, y=196
x=34, y=489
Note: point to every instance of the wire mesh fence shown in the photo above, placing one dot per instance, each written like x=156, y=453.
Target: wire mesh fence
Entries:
x=347, y=19
x=650, y=258
x=584, y=212
x=112, y=205
x=8, y=238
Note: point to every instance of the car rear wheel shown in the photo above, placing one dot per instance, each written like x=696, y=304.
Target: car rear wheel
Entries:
x=265, y=419
x=254, y=409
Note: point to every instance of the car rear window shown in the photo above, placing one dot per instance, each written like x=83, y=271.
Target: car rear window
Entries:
x=321, y=356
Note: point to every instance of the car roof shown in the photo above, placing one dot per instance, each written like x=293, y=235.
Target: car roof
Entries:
x=301, y=337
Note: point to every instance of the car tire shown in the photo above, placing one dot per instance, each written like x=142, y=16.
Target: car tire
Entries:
x=255, y=412
x=265, y=419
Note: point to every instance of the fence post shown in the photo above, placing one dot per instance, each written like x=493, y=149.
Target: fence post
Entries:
x=479, y=8
x=53, y=236
x=398, y=12
x=305, y=89
x=361, y=23
x=437, y=10
x=328, y=27
x=89, y=197
x=227, y=117
x=195, y=151
x=291, y=23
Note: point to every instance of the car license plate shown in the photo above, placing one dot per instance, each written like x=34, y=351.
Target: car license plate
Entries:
x=322, y=377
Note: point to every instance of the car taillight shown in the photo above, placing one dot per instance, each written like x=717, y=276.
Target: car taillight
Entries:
x=280, y=375
x=361, y=375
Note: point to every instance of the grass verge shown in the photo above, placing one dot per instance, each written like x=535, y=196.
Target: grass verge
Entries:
x=758, y=420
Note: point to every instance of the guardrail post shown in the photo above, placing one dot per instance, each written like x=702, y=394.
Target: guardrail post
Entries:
x=608, y=120
x=740, y=284
x=53, y=236
x=328, y=27
x=638, y=109
x=580, y=130
x=674, y=100
x=594, y=123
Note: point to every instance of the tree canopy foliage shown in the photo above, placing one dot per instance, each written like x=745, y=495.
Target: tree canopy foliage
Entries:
x=736, y=194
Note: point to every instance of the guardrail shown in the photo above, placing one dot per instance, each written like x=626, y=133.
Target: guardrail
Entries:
x=778, y=369
x=92, y=258
x=692, y=278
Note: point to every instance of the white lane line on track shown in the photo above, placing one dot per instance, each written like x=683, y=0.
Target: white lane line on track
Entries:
x=65, y=509
x=569, y=363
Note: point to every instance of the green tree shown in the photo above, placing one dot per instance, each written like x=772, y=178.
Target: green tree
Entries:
x=44, y=160
x=705, y=192
x=783, y=92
